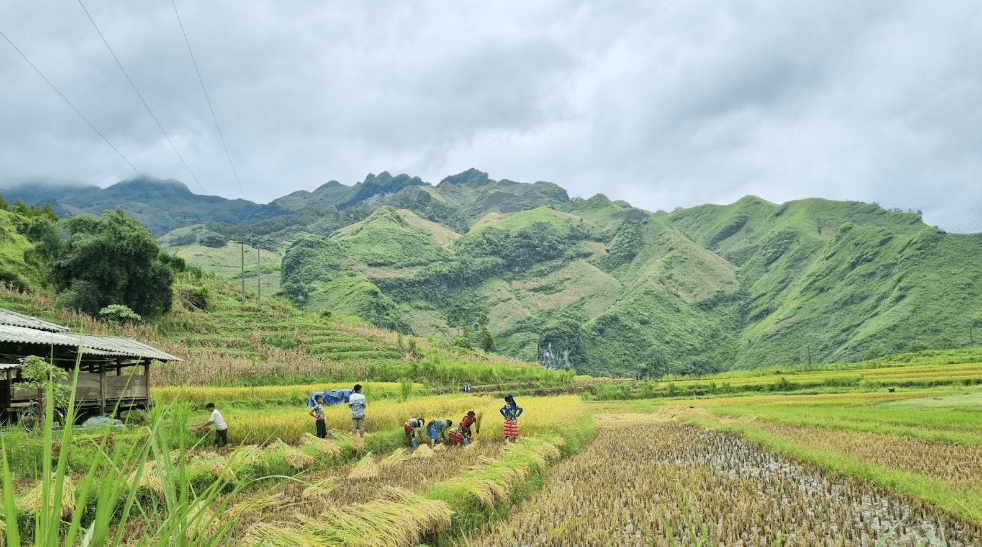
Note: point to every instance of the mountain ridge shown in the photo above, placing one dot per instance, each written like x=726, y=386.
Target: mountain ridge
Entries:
x=606, y=288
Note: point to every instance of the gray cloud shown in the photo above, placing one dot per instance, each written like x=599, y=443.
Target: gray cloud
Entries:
x=661, y=104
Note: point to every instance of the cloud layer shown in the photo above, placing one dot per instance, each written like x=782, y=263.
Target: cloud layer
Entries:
x=662, y=104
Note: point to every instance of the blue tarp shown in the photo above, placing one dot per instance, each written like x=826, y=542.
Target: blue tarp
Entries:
x=331, y=396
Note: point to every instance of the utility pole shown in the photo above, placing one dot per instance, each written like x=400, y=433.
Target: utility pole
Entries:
x=243, y=270
x=259, y=272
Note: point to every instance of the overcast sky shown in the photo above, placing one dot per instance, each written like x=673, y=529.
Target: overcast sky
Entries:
x=660, y=103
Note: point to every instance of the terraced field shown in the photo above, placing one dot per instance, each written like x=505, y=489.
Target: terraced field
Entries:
x=645, y=480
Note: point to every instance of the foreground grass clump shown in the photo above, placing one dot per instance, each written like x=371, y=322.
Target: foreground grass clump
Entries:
x=65, y=509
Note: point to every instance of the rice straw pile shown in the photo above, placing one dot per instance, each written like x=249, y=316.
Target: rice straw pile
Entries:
x=322, y=445
x=295, y=457
x=150, y=478
x=423, y=452
x=400, y=520
x=319, y=492
x=216, y=465
x=31, y=501
x=202, y=521
x=364, y=469
x=393, y=460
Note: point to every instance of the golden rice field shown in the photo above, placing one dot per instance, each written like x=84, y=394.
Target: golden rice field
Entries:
x=541, y=414
x=644, y=480
x=201, y=394
x=884, y=375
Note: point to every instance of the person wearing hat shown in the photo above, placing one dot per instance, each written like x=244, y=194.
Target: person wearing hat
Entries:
x=465, y=426
x=511, y=411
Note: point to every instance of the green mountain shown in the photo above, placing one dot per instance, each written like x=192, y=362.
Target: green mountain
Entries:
x=603, y=287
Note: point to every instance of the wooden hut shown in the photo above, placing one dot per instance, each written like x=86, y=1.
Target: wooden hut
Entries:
x=114, y=372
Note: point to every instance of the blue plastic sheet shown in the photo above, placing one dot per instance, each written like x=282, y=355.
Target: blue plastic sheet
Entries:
x=331, y=396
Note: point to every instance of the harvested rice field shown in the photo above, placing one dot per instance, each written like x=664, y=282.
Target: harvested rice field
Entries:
x=645, y=480
x=958, y=465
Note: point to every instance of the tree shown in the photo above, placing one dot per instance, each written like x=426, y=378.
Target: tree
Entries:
x=112, y=259
x=485, y=340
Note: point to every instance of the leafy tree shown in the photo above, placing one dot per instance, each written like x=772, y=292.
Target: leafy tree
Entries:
x=485, y=340
x=41, y=374
x=118, y=313
x=112, y=259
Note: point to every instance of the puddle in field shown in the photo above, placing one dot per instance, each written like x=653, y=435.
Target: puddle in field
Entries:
x=637, y=470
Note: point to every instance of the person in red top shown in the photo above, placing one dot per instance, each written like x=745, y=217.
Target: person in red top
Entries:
x=465, y=426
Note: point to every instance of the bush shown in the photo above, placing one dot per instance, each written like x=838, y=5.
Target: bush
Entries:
x=118, y=313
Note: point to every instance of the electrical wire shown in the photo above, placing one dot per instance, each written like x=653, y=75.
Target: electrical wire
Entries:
x=200, y=80
x=60, y=94
x=138, y=94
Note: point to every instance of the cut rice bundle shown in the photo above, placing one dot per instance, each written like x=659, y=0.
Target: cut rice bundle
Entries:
x=294, y=456
x=394, y=459
x=364, y=469
x=322, y=445
x=217, y=465
x=320, y=492
x=149, y=478
x=31, y=501
x=423, y=452
x=400, y=520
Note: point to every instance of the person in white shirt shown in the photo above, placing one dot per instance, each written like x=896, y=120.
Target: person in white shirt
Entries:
x=357, y=403
x=221, y=428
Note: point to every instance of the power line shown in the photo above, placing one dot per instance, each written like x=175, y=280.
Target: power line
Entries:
x=138, y=94
x=229, y=156
x=36, y=69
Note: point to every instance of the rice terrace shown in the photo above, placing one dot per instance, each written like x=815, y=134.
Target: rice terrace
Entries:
x=881, y=452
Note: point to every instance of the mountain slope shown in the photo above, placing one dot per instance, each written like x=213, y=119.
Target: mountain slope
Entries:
x=598, y=285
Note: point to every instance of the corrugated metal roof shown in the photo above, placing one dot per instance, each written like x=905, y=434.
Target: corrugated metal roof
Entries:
x=13, y=318
x=109, y=346
x=127, y=346
x=6, y=366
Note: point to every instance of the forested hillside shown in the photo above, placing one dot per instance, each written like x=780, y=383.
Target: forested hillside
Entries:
x=606, y=288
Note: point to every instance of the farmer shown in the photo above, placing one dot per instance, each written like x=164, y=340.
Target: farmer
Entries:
x=466, y=423
x=437, y=429
x=456, y=436
x=511, y=411
x=221, y=428
x=412, y=429
x=357, y=403
x=318, y=414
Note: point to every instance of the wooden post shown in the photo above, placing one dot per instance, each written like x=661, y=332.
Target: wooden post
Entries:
x=102, y=391
x=242, y=243
x=146, y=382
